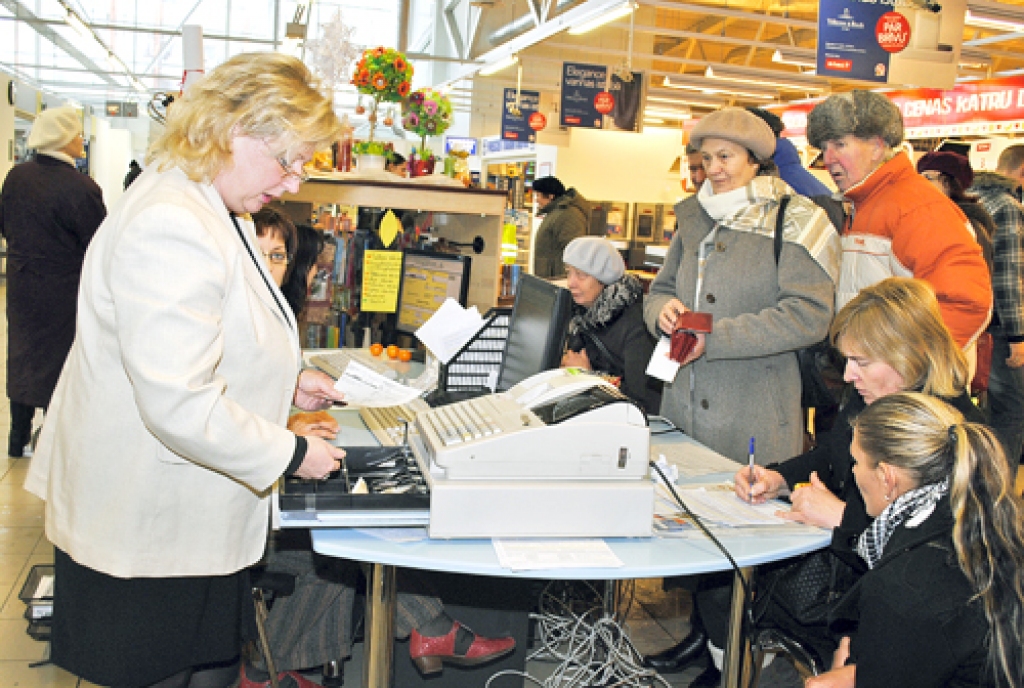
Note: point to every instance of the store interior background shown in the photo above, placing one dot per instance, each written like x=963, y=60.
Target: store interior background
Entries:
x=128, y=51
x=51, y=61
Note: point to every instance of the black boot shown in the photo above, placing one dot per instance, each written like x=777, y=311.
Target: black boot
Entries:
x=688, y=651
x=709, y=678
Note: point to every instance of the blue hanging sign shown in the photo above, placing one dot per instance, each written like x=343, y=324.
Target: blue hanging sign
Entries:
x=515, y=126
x=581, y=83
x=848, y=46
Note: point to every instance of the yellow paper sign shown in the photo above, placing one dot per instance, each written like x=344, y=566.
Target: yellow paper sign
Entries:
x=382, y=275
x=390, y=226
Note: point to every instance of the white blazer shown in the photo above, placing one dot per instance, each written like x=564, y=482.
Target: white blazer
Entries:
x=165, y=432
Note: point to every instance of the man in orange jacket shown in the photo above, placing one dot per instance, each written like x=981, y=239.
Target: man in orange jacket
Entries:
x=898, y=224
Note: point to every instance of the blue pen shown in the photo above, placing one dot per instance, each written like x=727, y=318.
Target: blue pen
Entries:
x=750, y=468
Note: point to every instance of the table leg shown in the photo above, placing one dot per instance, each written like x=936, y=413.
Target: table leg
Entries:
x=380, y=626
x=736, y=665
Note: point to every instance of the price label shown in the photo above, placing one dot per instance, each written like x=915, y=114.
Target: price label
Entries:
x=893, y=32
x=604, y=102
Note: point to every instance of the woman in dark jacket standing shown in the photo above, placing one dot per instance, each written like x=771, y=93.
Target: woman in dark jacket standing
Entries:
x=607, y=331
x=567, y=216
x=49, y=212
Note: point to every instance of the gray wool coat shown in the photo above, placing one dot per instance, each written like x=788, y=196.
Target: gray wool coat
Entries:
x=747, y=383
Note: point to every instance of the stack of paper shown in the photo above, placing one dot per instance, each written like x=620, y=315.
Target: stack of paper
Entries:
x=539, y=554
x=449, y=328
x=365, y=387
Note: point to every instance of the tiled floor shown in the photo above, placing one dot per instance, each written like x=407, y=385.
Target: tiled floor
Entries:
x=656, y=619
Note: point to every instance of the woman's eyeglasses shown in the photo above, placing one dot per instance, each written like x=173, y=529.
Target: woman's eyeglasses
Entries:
x=289, y=173
x=277, y=258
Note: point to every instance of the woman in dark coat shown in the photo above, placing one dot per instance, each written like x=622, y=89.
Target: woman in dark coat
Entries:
x=941, y=604
x=607, y=332
x=49, y=212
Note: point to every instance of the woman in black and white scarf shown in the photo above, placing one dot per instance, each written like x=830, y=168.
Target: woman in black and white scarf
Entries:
x=607, y=332
x=941, y=604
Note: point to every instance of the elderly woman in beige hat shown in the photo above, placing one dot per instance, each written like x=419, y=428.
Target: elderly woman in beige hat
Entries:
x=49, y=212
x=742, y=380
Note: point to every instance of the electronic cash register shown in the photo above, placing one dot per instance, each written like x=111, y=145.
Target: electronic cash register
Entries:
x=561, y=454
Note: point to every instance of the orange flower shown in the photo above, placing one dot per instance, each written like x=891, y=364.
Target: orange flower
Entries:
x=363, y=78
x=399, y=64
x=403, y=89
x=380, y=82
x=378, y=51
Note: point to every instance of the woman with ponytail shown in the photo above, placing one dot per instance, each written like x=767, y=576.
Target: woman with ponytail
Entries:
x=942, y=602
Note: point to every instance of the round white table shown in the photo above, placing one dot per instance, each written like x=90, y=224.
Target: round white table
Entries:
x=642, y=558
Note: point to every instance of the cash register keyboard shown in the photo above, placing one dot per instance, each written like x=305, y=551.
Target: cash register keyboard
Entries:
x=463, y=422
x=386, y=424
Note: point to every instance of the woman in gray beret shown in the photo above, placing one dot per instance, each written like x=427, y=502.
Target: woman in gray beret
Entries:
x=607, y=332
x=742, y=380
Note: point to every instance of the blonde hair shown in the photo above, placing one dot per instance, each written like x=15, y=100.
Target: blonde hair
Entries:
x=268, y=96
x=930, y=440
x=897, y=321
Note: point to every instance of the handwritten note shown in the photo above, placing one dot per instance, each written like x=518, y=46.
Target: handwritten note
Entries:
x=382, y=275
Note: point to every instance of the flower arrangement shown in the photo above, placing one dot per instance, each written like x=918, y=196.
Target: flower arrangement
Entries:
x=371, y=148
x=386, y=76
x=383, y=73
x=427, y=113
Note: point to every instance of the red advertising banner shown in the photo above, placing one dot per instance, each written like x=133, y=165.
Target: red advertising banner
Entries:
x=994, y=106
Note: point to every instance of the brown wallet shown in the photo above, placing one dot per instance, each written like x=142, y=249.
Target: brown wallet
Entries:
x=683, y=337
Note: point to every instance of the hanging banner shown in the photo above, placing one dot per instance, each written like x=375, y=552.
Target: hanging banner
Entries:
x=627, y=106
x=515, y=126
x=581, y=85
x=888, y=43
x=992, y=106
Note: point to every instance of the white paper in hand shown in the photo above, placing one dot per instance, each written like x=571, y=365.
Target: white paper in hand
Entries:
x=365, y=387
x=449, y=328
x=661, y=367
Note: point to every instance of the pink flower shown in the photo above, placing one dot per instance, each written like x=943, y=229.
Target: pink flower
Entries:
x=412, y=120
x=430, y=107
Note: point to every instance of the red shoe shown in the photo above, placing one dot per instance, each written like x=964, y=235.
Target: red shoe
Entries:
x=300, y=680
x=428, y=652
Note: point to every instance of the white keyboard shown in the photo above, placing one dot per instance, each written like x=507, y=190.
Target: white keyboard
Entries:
x=386, y=422
x=334, y=362
x=463, y=421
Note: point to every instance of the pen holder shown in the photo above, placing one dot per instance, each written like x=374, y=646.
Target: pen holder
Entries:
x=684, y=338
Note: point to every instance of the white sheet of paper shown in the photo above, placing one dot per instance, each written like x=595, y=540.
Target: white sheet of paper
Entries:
x=694, y=460
x=718, y=504
x=364, y=387
x=530, y=555
x=660, y=366
x=449, y=328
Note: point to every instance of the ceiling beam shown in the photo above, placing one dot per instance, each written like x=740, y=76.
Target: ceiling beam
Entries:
x=43, y=28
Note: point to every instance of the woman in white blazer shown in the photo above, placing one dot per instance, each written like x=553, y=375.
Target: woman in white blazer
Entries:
x=166, y=429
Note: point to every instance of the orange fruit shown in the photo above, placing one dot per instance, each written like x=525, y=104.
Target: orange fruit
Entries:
x=405, y=355
x=376, y=350
x=392, y=351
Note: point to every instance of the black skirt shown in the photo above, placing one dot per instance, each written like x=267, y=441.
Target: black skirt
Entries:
x=130, y=632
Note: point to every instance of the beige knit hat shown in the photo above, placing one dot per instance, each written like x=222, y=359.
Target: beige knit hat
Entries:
x=739, y=126
x=55, y=128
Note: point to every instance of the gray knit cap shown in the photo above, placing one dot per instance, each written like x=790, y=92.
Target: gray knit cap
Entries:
x=861, y=113
x=597, y=257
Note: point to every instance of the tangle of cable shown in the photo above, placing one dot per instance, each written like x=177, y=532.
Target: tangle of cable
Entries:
x=591, y=648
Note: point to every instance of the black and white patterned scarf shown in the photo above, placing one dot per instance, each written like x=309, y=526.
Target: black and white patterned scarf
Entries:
x=912, y=507
x=608, y=306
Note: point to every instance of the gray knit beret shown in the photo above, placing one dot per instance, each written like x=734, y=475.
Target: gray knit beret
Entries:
x=55, y=128
x=861, y=113
x=739, y=126
x=597, y=257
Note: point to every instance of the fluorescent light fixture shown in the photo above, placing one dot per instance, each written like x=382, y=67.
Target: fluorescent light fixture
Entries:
x=711, y=87
x=496, y=67
x=794, y=82
x=668, y=113
x=801, y=57
x=653, y=120
x=985, y=20
x=139, y=86
x=602, y=19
